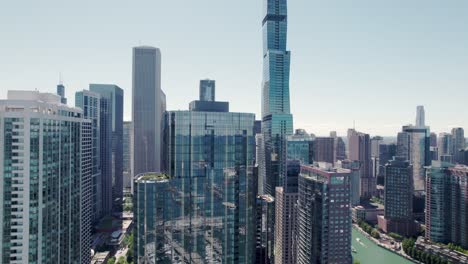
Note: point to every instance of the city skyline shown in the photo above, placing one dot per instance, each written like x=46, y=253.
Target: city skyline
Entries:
x=421, y=55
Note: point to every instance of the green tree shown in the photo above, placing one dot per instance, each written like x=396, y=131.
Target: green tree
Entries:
x=111, y=260
x=121, y=260
x=375, y=234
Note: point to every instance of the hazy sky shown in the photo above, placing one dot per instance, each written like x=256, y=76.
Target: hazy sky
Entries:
x=364, y=60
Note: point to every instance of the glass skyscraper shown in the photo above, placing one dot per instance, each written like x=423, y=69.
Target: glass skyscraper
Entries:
x=45, y=186
x=211, y=163
x=277, y=121
x=114, y=96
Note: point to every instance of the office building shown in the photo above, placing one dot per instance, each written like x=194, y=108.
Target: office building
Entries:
x=148, y=101
x=387, y=152
x=207, y=102
x=298, y=146
x=324, y=150
x=211, y=162
x=446, y=203
x=207, y=90
x=45, y=160
x=360, y=150
x=354, y=179
x=420, y=117
x=445, y=147
x=323, y=216
x=89, y=102
x=417, y=143
x=398, y=215
x=458, y=144
x=61, y=93
x=285, y=214
x=277, y=121
x=340, y=149
x=264, y=231
x=127, y=155
x=113, y=189
x=152, y=213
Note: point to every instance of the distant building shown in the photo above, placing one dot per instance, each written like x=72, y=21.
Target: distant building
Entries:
x=286, y=216
x=148, y=103
x=446, y=203
x=114, y=96
x=61, y=93
x=46, y=179
x=445, y=147
x=458, y=145
x=387, y=152
x=354, y=180
x=127, y=155
x=90, y=103
x=360, y=150
x=420, y=116
x=324, y=216
x=207, y=90
x=398, y=197
x=298, y=146
x=324, y=150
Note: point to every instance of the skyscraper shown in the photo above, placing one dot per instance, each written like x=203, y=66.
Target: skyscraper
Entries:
x=298, y=146
x=277, y=121
x=45, y=160
x=445, y=148
x=61, y=93
x=398, y=197
x=420, y=116
x=324, y=216
x=324, y=150
x=89, y=102
x=114, y=95
x=211, y=162
x=446, y=203
x=458, y=144
x=286, y=215
x=148, y=101
x=207, y=90
x=360, y=150
x=127, y=155
x=151, y=242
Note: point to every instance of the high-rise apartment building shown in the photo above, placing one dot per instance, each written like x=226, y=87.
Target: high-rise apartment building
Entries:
x=324, y=150
x=148, y=101
x=323, y=216
x=446, y=203
x=398, y=197
x=264, y=231
x=127, y=155
x=445, y=147
x=45, y=163
x=286, y=215
x=114, y=95
x=89, y=102
x=360, y=150
x=277, y=121
x=211, y=162
x=354, y=180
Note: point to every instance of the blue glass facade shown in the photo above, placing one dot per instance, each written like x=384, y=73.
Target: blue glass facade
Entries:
x=277, y=120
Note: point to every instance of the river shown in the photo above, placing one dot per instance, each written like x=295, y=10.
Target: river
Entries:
x=370, y=253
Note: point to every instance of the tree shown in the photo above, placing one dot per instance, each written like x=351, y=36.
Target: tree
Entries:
x=121, y=260
x=111, y=260
x=375, y=234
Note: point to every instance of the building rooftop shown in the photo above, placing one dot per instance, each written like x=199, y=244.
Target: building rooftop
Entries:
x=153, y=176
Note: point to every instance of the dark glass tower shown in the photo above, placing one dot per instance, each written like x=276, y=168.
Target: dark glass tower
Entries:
x=276, y=115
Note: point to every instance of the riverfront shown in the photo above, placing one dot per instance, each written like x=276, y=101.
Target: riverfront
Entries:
x=369, y=253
